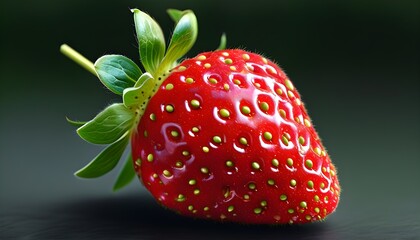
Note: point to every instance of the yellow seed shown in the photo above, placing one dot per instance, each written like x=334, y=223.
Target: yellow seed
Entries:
x=289, y=162
x=226, y=87
x=206, y=209
x=213, y=80
x=152, y=117
x=290, y=94
x=207, y=65
x=138, y=162
x=174, y=133
x=189, y=80
x=169, y=86
x=195, y=129
x=272, y=70
x=301, y=140
x=169, y=108
x=217, y=139
x=180, y=198
x=226, y=54
x=316, y=198
x=195, y=103
x=185, y=153
x=285, y=140
x=303, y=204
x=201, y=57
x=283, y=197
x=231, y=208
x=204, y=170
x=236, y=81
x=279, y=91
x=271, y=182
x=166, y=173
x=293, y=183
x=309, y=164
x=268, y=136
x=150, y=157
x=228, y=61
x=316, y=210
x=179, y=164
x=317, y=150
x=206, y=149
x=245, y=110
x=257, y=210
x=232, y=68
x=196, y=191
x=229, y=163
x=275, y=162
x=263, y=203
x=243, y=141
x=192, y=182
x=289, y=84
x=245, y=57
x=308, y=217
x=264, y=106
x=255, y=165
x=290, y=211
x=182, y=68
x=224, y=113
x=282, y=113
x=307, y=122
x=310, y=184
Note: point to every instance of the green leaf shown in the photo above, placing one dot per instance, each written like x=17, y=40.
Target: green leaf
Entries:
x=106, y=160
x=126, y=174
x=142, y=79
x=150, y=39
x=117, y=72
x=75, y=123
x=183, y=38
x=139, y=94
x=223, y=41
x=175, y=14
x=108, y=126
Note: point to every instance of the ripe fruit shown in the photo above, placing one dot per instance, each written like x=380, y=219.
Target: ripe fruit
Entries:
x=223, y=135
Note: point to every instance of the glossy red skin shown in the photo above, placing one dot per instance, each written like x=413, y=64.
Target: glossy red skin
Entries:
x=225, y=186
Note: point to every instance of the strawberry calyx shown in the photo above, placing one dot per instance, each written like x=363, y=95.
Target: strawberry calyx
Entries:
x=115, y=124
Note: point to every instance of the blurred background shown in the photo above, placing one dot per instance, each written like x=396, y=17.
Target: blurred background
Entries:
x=355, y=63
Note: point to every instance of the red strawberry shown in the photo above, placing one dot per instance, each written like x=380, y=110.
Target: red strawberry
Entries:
x=223, y=135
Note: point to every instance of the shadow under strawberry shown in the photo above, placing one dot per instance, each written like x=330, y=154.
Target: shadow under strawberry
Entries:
x=134, y=217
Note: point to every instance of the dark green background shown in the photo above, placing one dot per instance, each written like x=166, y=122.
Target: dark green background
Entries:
x=356, y=64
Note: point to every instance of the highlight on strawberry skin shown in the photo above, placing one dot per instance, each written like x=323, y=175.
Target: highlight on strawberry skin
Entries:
x=223, y=135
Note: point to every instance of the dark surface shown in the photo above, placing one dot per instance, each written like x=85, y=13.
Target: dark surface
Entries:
x=355, y=63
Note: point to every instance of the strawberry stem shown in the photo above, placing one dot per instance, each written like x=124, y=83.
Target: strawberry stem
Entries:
x=78, y=58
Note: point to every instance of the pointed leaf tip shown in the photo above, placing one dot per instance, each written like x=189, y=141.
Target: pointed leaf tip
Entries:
x=126, y=174
x=150, y=39
x=223, y=40
x=108, y=126
x=106, y=160
x=75, y=123
x=175, y=14
x=183, y=38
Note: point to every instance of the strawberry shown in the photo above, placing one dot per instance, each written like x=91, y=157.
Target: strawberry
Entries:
x=223, y=135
